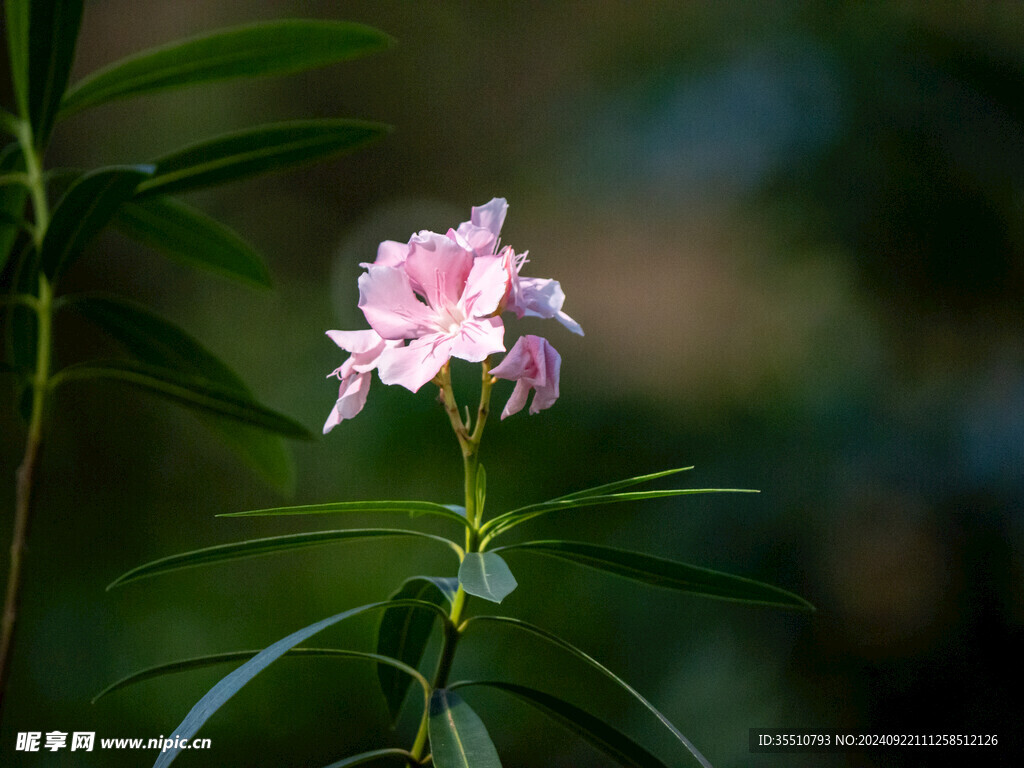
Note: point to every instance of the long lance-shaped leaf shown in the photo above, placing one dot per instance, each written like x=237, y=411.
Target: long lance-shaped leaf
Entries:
x=509, y=520
x=376, y=754
x=85, y=209
x=404, y=633
x=157, y=341
x=618, y=485
x=458, y=738
x=16, y=19
x=151, y=338
x=202, y=662
x=572, y=649
x=664, y=573
x=12, y=201
x=190, y=236
x=232, y=683
x=8, y=123
x=52, y=34
x=256, y=547
x=258, y=150
x=269, y=48
x=188, y=390
x=598, y=733
x=413, y=508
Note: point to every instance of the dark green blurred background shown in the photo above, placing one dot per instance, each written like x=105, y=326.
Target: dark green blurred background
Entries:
x=794, y=236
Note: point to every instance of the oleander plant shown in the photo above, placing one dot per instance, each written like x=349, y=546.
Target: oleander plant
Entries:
x=50, y=216
x=433, y=302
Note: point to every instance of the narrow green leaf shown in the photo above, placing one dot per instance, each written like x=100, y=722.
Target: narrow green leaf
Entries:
x=16, y=225
x=269, y=48
x=263, y=452
x=458, y=738
x=414, y=508
x=404, y=633
x=258, y=150
x=8, y=123
x=446, y=585
x=16, y=19
x=486, y=575
x=151, y=338
x=618, y=485
x=573, y=650
x=616, y=745
x=52, y=35
x=85, y=209
x=256, y=547
x=190, y=236
x=232, y=683
x=664, y=573
x=156, y=341
x=12, y=202
x=202, y=662
x=185, y=389
x=509, y=520
x=368, y=757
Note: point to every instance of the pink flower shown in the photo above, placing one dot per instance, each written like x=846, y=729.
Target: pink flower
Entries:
x=533, y=364
x=366, y=347
x=443, y=299
x=441, y=296
x=535, y=296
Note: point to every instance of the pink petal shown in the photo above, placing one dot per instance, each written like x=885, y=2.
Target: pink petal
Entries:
x=414, y=365
x=390, y=306
x=473, y=238
x=351, y=399
x=542, y=297
x=356, y=341
x=391, y=254
x=344, y=370
x=533, y=364
x=439, y=267
x=520, y=362
x=476, y=339
x=486, y=287
x=516, y=400
x=547, y=391
x=491, y=215
x=480, y=233
x=569, y=323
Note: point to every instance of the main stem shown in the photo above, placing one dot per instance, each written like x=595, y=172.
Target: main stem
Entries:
x=469, y=443
x=26, y=473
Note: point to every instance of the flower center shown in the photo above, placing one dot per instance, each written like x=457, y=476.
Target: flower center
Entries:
x=450, y=319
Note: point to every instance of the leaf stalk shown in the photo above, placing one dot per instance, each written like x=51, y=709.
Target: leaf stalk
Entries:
x=26, y=472
x=469, y=443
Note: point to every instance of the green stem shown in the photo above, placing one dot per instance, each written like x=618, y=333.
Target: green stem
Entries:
x=469, y=443
x=34, y=180
x=26, y=473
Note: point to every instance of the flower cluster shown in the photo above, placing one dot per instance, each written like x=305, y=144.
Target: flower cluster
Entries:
x=444, y=295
